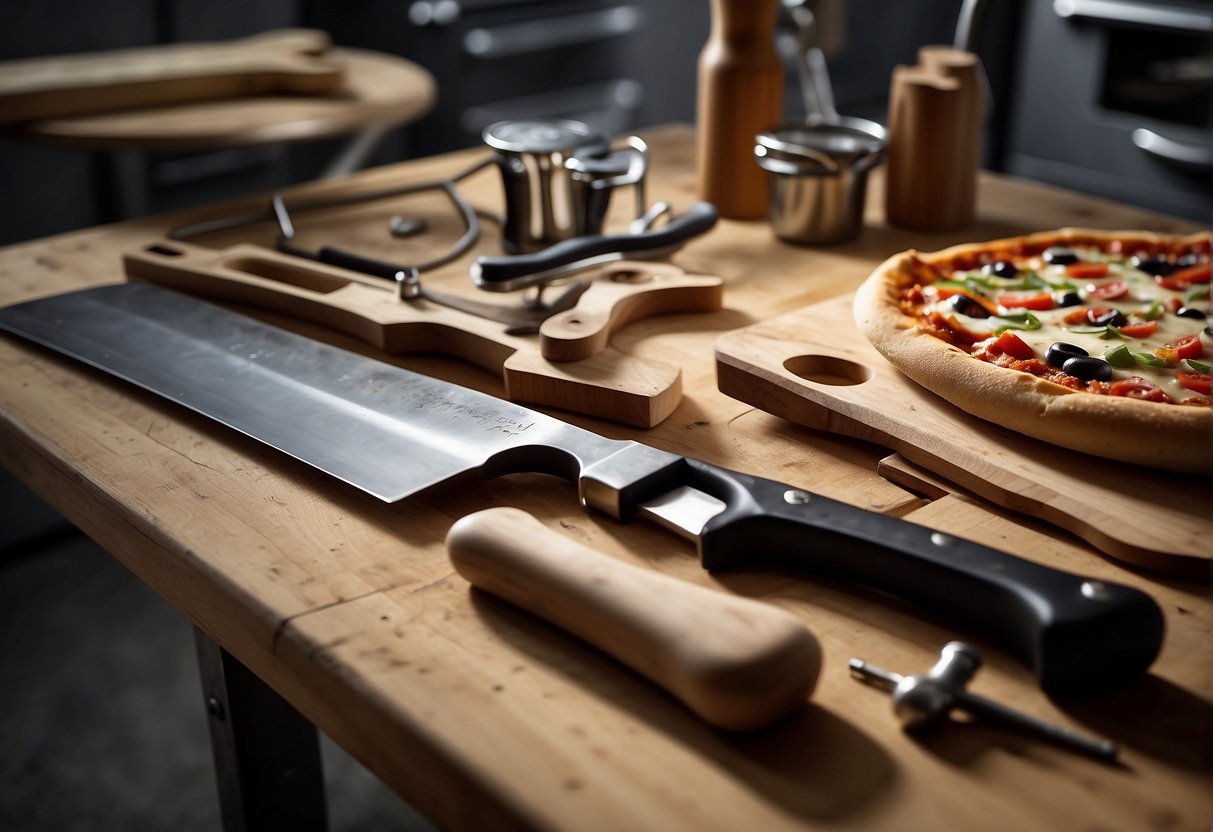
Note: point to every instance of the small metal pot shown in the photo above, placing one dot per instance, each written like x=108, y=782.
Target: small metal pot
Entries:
x=818, y=173
x=558, y=176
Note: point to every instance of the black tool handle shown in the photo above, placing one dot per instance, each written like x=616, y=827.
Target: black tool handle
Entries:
x=1079, y=634
x=696, y=220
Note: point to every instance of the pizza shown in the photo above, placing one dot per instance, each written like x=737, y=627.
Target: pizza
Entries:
x=1091, y=340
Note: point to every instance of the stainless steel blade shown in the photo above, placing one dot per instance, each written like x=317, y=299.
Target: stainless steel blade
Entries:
x=383, y=429
x=392, y=433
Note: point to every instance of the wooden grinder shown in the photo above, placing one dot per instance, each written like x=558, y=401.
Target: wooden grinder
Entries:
x=935, y=114
x=741, y=79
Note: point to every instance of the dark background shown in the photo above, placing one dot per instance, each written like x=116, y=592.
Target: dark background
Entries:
x=1060, y=113
x=101, y=717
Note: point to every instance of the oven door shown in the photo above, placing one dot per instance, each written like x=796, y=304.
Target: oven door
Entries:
x=1113, y=97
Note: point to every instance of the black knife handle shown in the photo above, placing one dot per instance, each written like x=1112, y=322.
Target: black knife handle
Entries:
x=696, y=220
x=1079, y=635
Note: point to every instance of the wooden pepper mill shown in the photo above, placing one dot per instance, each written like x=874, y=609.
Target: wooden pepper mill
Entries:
x=935, y=113
x=741, y=81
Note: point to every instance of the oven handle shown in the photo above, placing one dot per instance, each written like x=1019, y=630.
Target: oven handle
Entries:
x=1135, y=13
x=1169, y=150
x=559, y=31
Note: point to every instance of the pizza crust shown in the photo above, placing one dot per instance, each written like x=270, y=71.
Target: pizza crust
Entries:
x=1172, y=437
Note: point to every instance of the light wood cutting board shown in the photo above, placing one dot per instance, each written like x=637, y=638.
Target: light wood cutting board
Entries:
x=814, y=367
x=591, y=377
x=284, y=60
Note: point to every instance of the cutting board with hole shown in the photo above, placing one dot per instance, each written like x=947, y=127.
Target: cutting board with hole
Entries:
x=591, y=377
x=284, y=60
x=815, y=368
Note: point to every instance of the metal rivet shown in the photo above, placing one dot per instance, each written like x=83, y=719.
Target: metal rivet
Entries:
x=215, y=708
x=1095, y=590
x=408, y=284
x=796, y=497
x=941, y=539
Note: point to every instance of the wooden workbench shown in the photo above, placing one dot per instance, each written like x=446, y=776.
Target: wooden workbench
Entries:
x=484, y=717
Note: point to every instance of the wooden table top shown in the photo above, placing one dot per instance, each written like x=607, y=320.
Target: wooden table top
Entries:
x=377, y=90
x=482, y=716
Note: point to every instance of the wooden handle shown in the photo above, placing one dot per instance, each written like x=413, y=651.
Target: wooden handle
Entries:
x=609, y=384
x=624, y=292
x=738, y=663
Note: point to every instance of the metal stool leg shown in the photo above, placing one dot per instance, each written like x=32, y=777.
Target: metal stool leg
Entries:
x=267, y=756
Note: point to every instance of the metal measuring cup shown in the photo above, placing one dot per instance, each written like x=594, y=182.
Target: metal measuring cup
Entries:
x=558, y=175
x=818, y=173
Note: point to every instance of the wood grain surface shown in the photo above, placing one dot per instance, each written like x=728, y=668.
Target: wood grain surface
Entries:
x=376, y=90
x=814, y=367
x=623, y=292
x=740, y=94
x=484, y=716
x=278, y=61
x=605, y=382
x=738, y=663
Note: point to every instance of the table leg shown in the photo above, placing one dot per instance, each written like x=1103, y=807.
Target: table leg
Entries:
x=354, y=155
x=267, y=756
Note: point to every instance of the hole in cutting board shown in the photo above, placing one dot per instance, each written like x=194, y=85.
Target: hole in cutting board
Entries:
x=828, y=369
x=290, y=275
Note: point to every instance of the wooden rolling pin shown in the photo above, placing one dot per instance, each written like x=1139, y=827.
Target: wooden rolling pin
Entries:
x=738, y=663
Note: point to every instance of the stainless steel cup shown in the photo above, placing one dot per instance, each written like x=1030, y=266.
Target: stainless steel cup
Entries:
x=539, y=201
x=558, y=177
x=818, y=173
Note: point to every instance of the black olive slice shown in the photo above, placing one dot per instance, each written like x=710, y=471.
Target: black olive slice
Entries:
x=1113, y=317
x=1154, y=265
x=1088, y=368
x=1059, y=352
x=1001, y=268
x=1059, y=256
x=965, y=305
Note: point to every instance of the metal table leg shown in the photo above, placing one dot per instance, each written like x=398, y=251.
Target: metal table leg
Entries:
x=267, y=756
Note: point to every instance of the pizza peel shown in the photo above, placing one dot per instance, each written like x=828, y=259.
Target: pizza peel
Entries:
x=813, y=367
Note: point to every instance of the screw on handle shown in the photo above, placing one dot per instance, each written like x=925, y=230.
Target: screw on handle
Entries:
x=738, y=663
x=926, y=700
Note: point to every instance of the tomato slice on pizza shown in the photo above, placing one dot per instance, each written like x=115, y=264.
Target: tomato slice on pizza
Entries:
x=1092, y=340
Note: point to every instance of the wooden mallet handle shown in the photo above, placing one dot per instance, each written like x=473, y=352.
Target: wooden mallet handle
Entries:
x=738, y=663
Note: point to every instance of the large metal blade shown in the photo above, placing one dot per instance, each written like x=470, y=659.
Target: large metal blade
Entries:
x=393, y=433
x=383, y=429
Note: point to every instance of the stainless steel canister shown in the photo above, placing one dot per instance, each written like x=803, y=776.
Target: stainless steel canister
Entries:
x=540, y=206
x=818, y=173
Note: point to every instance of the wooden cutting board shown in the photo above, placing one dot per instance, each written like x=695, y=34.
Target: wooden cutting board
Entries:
x=590, y=376
x=814, y=367
x=285, y=60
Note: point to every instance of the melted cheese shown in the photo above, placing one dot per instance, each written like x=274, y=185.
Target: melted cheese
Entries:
x=1143, y=291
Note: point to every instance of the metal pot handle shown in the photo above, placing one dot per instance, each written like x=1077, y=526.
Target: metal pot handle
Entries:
x=637, y=155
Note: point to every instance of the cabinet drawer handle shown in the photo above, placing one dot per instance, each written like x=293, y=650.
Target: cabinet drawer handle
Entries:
x=1169, y=150
x=1135, y=13
x=507, y=40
